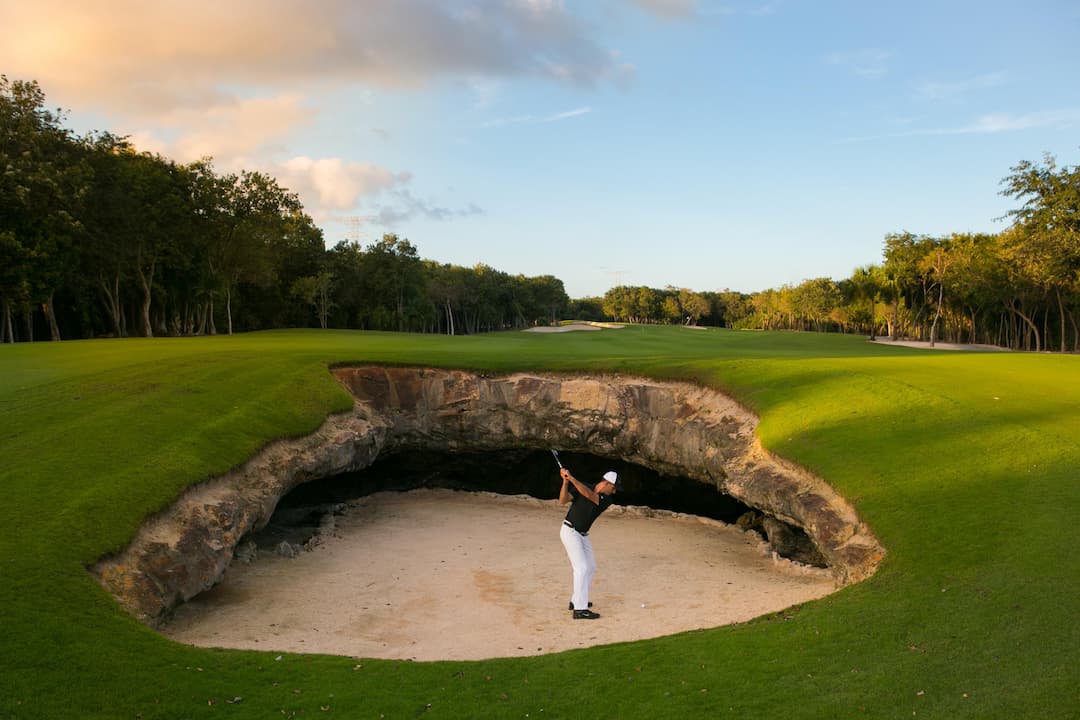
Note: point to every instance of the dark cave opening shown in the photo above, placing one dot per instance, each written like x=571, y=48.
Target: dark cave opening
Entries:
x=299, y=514
x=518, y=472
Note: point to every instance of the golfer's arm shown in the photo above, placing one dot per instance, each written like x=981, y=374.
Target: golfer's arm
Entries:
x=586, y=491
x=564, y=494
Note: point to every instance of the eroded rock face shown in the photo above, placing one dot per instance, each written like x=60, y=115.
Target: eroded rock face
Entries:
x=673, y=428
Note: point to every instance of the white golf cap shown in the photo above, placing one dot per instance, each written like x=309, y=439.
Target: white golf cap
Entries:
x=611, y=476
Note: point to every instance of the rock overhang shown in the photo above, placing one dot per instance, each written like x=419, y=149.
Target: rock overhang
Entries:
x=670, y=427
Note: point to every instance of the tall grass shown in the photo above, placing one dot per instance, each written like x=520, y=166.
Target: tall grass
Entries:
x=964, y=464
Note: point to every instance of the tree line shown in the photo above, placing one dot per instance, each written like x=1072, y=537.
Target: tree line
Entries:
x=98, y=239
x=1019, y=288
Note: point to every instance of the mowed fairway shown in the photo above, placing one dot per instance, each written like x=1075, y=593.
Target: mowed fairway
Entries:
x=965, y=465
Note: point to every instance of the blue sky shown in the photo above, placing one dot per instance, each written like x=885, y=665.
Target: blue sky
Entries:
x=707, y=145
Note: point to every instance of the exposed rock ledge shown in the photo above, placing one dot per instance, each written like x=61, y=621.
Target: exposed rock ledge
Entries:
x=673, y=428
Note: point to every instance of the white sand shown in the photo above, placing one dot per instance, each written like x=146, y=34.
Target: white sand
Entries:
x=574, y=326
x=444, y=575
x=925, y=345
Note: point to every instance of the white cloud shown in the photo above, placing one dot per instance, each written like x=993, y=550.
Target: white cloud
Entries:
x=992, y=124
x=538, y=119
x=670, y=9
x=332, y=189
x=870, y=63
x=328, y=185
x=1005, y=122
x=937, y=90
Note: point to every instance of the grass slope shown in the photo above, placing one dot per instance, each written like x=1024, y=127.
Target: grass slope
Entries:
x=965, y=465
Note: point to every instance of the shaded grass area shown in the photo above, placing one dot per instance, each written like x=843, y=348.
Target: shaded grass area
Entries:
x=965, y=465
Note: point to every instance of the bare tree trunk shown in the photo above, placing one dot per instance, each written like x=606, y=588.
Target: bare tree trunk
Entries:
x=112, y=301
x=937, y=315
x=7, y=330
x=1076, y=333
x=228, y=306
x=200, y=319
x=28, y=318
x=1031, y=326
x=873, y=318
x=210, y=313
x=324, y=305
x=1061, y=311
x=50, y=315
x=401, y=310
x=146, y=279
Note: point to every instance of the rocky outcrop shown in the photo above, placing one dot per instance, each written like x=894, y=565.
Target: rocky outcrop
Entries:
x=673, y=428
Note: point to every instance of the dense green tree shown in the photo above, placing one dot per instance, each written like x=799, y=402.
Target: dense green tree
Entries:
x=549, y=296
x=588, y=308
x=42, y=184
x=1046, y=245
x=865, y=287
x=316, y=291
x=393, y=285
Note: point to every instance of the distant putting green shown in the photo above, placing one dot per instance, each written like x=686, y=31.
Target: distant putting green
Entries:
x=964, y=464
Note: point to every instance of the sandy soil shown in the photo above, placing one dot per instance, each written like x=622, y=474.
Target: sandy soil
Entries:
x=924, y=345
x=572, y=327
x=444, y=575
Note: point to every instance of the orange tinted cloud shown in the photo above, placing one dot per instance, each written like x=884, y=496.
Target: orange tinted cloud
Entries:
x=148, y=57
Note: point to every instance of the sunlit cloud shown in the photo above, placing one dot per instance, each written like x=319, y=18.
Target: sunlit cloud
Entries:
x=327, y=185
x=232, y=132
x=235, y=80
x=149, y=58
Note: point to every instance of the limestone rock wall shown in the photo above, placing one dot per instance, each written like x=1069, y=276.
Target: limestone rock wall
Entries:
x=673, y=428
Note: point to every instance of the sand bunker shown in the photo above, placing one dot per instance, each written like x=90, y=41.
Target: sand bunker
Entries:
x=445, y=575
x=924, y=345
x=571, y=327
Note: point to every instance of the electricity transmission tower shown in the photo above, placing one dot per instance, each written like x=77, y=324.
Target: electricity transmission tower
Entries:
x=354, y=223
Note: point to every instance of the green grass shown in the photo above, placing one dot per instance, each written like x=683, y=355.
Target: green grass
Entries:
x=964, y=464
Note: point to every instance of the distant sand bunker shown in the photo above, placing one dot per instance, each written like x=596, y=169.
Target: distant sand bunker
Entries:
x=445, y=575
x=571, y=327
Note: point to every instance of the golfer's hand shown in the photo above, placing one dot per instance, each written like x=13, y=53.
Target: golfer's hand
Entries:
x=565, y=475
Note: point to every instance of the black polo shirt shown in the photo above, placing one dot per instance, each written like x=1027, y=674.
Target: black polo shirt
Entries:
x=582, y=512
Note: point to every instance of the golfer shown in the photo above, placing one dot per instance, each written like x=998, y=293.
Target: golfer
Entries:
x=586, y=504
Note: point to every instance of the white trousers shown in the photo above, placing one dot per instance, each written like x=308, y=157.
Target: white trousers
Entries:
x=579, y=550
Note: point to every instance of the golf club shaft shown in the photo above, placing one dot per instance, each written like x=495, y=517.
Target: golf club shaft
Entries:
x=557, y=461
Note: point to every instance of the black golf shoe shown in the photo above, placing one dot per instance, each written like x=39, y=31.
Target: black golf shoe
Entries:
x=585, y=615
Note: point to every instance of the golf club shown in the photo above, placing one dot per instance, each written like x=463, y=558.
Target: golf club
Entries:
x=557, y=462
